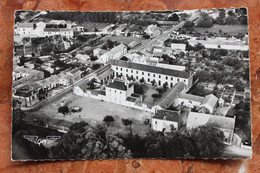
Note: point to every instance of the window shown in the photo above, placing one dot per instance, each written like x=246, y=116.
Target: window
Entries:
x=116, y=68
x=115, y=91
x=142, y=73
x=155, y=122
x=166, y=77
x=148, y=74
x=121, y=69
x=120, y=92
x=126, y=70
x=184, y=80
x=136, y=72
x=148, y=79
x=131, y=71
x=153, y=75
x=159, y=76
x=178, y=79
x=136, y=77
x=171, y=78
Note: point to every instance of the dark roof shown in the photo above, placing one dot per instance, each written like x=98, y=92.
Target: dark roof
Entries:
x=167, y=115
x=118, y=85
x=152, y=69
x=174, y=93
x=74, y=71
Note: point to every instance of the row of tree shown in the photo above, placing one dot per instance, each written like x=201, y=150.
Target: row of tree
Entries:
x=84, y=141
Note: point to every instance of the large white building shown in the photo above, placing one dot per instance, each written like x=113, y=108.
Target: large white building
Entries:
x=150, y=73
x=24, y=29
x=165, y=120
x=118, y=91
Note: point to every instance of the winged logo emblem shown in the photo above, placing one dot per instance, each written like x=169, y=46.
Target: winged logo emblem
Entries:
x=36, y=140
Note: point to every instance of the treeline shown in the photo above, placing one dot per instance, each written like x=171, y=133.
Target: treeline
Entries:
x=88, y=142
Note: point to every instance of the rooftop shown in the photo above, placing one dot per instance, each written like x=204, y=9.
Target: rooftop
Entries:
x=191, y=97
x=175, y=91
x=152, y=69
x=199, y=119
x=117, y=85
x=167, y=115
x=210, y=100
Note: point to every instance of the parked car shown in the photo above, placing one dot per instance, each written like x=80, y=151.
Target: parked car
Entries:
x=76, y=109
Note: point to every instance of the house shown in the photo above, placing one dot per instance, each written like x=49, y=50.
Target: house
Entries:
x=83, y=58
x=63, y=80
x=118, y=91
x=151, y=73
x=75, y=74
x=103, y=74
x=27, y=94
x=166, y=22
x=152, y=31
x=26, y=75
x=178, y=47
x=209, y=104
x=173, y=94
x=134, y=44
x=98, y=52
x=165, y=120
x=188, y=100
x=225, y=124
x=24, y=29
x=114, y=53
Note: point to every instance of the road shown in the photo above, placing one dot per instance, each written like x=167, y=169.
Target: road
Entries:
x=176, y=27
x=237, y=152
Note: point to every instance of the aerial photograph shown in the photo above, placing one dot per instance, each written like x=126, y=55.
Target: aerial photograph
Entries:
x=120, y=85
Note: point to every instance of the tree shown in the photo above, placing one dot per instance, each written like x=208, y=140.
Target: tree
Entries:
x=63, y=109
x=205, y=21
x=108, y=119
x=208, y=141
x=138, y=89
x=124, y=58
x=127, y=122
x=174, y=17
x=95, y=66
x=86, y=142
x=188, y=25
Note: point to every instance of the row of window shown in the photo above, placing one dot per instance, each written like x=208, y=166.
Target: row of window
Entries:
x=166, y=77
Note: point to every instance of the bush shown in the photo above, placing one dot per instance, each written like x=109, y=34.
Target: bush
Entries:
x=63, y=109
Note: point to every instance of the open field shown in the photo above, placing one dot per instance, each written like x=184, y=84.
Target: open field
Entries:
x=229, y=29
x=93, y=111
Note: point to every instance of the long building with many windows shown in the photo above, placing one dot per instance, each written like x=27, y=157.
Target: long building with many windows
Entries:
x=151, y=73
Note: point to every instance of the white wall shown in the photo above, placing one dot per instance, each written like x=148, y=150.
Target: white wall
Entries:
x=158, y=125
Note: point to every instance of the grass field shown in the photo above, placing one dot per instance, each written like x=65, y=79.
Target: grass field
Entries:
x=229, y=29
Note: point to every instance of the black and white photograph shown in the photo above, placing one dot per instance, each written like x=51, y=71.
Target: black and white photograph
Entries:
x=121, y=85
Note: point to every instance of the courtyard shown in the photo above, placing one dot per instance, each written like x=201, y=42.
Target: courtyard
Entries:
x=93, y=111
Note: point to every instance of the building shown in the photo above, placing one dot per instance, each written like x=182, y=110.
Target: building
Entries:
x=173, y=94
x=25, y=75
x=166, y=120
x=150, y=73
x=24, y=29
x=188, y=100
x=104, y=74
x=152, y=31
x=67, y=32
x=225, y=124
x=178, y=47
x=27, y=95
x=118, y=91
x=75, y=74
x=209, y=104
x=114, y=53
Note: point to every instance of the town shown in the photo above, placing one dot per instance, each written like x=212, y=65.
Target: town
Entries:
x=171, y=72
